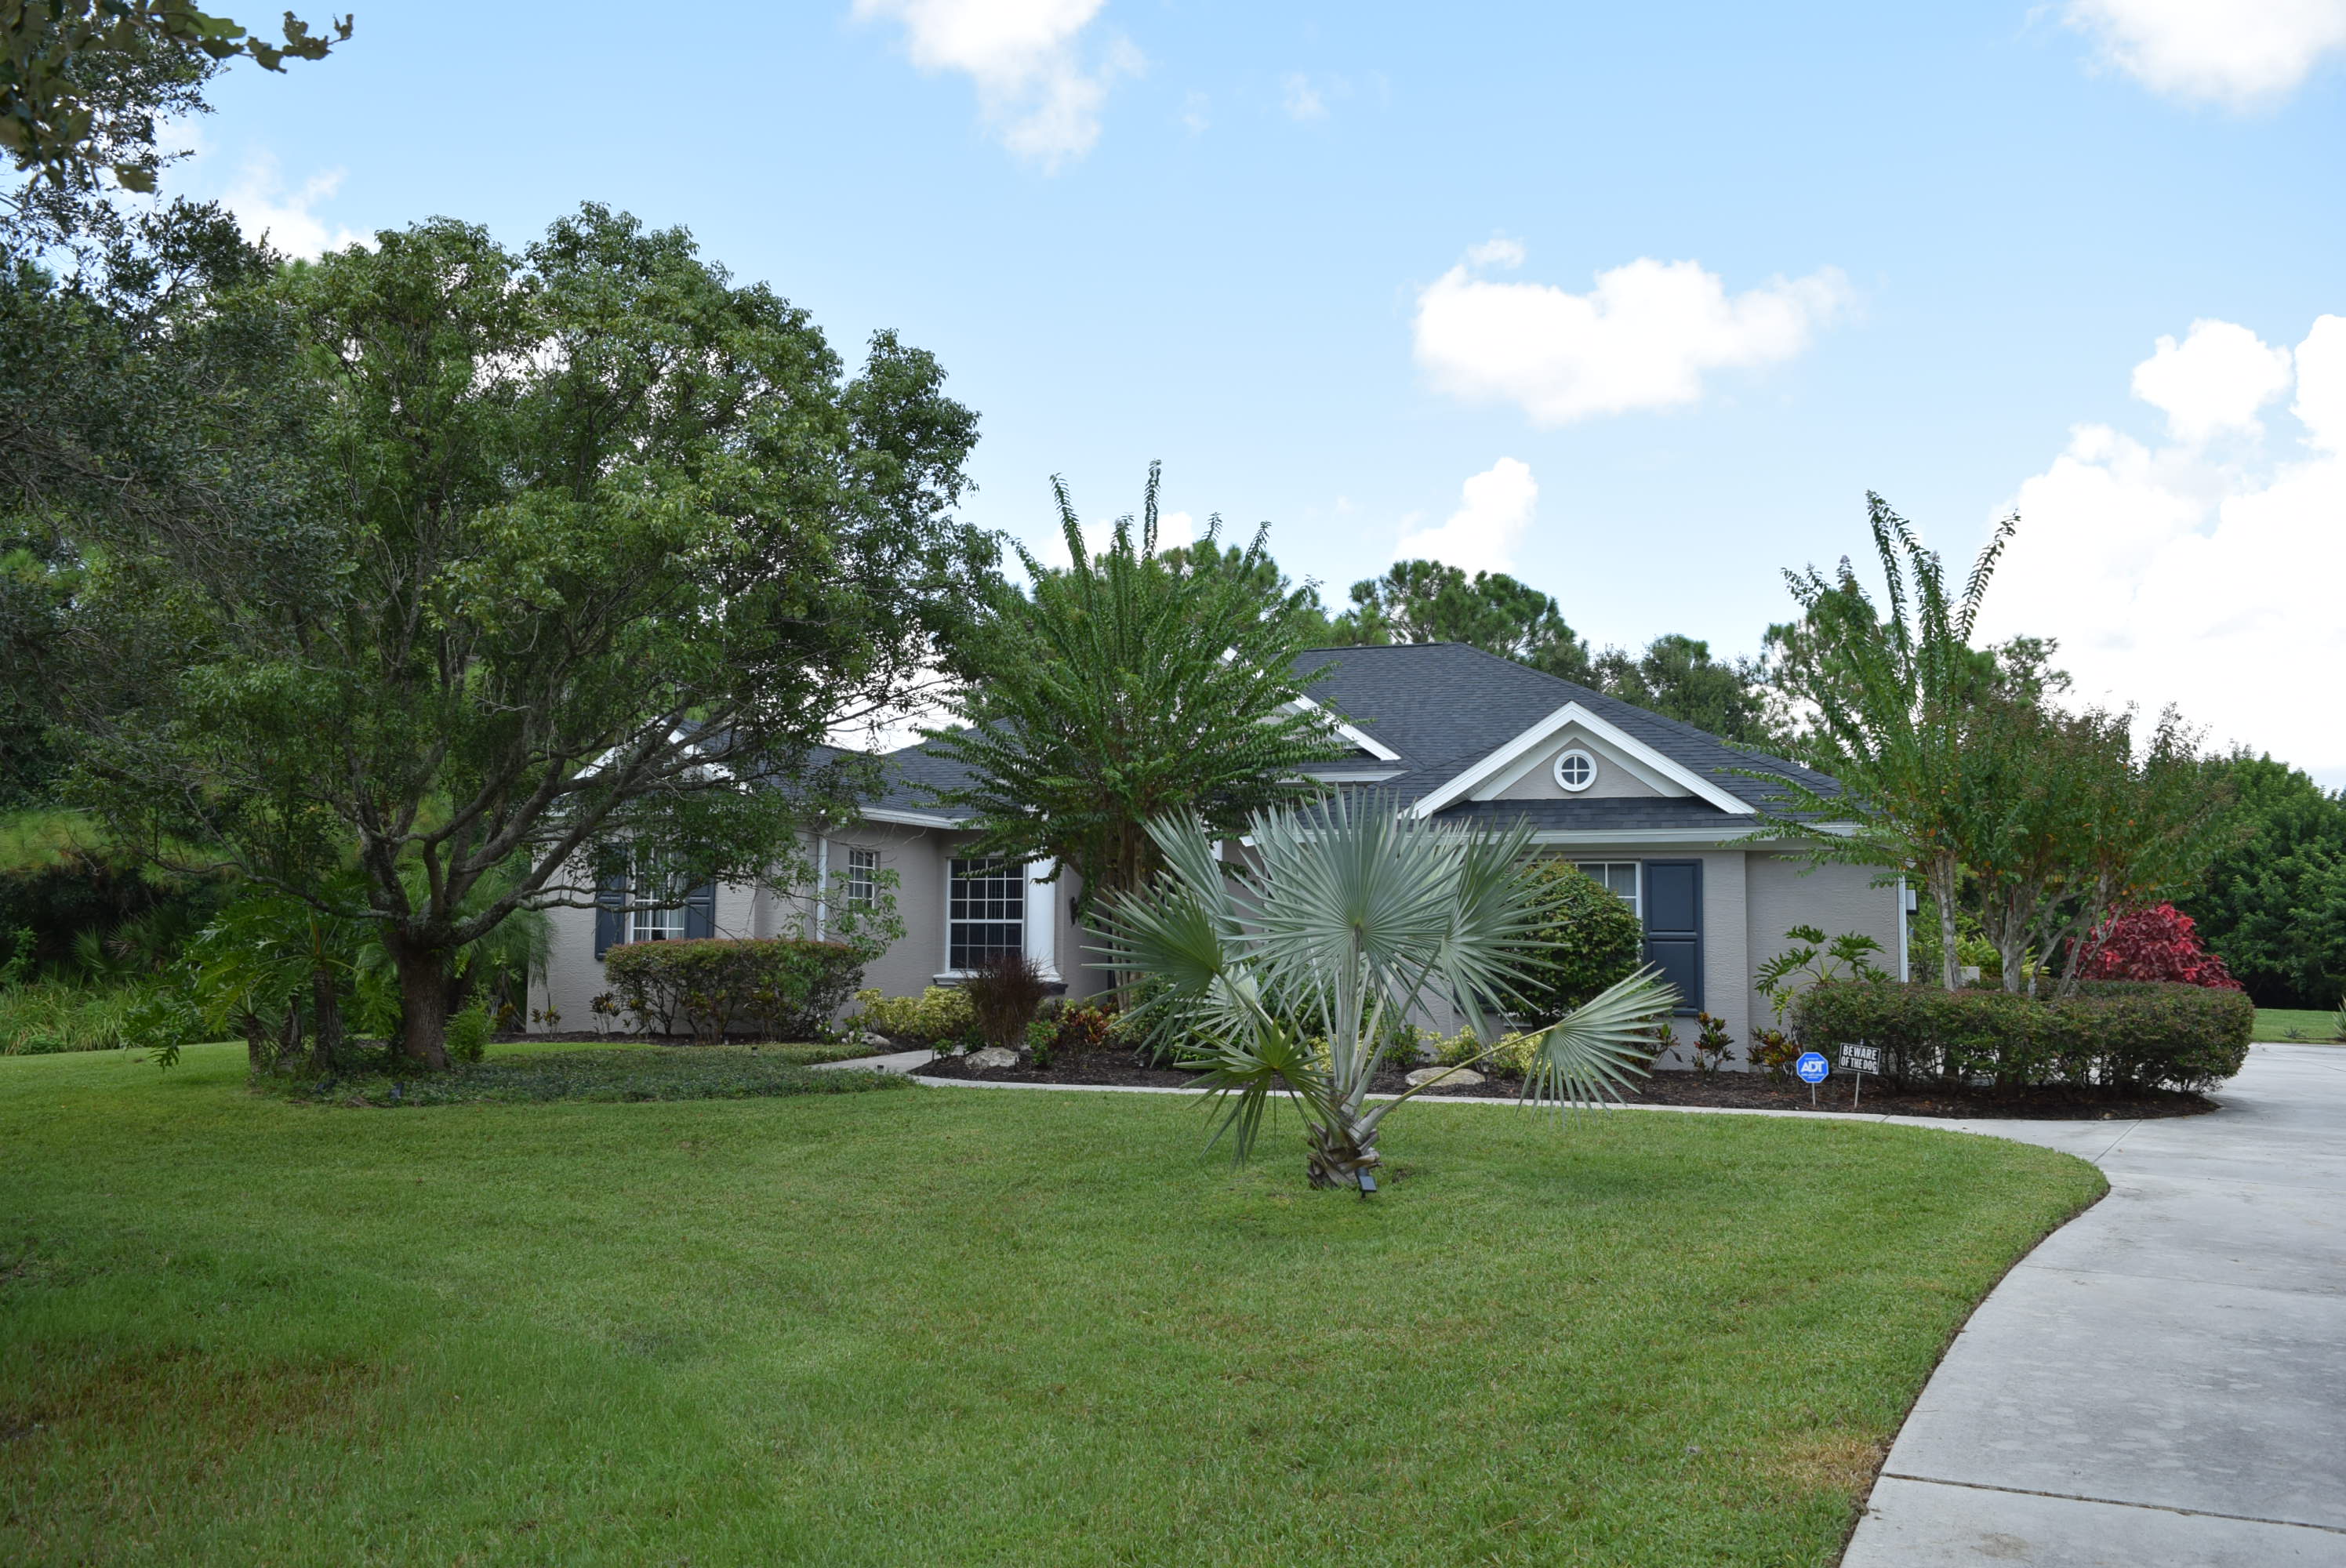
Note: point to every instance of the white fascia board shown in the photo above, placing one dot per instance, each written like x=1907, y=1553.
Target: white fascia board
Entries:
x=1716, y=838
x=1378, y=776
x=907, y=819
x=1572, y=713
x=1357, y=735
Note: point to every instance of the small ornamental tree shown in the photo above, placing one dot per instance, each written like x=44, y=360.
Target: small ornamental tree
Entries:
x=2160, y=942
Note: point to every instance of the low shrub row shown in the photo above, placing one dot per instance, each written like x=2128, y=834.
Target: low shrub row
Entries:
x=2119, y=1035
x=710, y=987
x=938, y=1015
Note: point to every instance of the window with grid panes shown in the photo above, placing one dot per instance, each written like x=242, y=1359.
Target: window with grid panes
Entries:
x=986, y=911
x=1619, y=876
x=863, y=878
x=655, y=883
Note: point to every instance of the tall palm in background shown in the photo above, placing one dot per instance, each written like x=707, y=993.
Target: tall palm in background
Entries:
x=1351, y=925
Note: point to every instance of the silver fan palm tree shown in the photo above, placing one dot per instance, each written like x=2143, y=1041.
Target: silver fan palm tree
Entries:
x=1350, y=925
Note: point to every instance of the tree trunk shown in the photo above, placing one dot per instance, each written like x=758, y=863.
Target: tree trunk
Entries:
x=326, y=1046
x=1943, y=878
x=1336, y=1156
x=423, y=1003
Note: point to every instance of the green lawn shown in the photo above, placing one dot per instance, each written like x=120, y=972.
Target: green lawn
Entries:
x=957, y=1326
x=2274, y=1024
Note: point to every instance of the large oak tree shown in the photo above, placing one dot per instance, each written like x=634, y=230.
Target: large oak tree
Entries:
x=563, y=553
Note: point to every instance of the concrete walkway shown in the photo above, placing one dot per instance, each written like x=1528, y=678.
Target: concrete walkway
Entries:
x=2162, y=1384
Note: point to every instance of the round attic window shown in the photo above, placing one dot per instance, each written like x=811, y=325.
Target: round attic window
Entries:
x=1576, y=770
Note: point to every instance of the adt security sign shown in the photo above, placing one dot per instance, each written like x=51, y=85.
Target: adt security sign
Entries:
x=1811, y=1067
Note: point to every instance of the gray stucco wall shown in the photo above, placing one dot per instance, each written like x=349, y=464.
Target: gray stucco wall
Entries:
x=1750, y=897
x=921, y=857
x=1785, y=892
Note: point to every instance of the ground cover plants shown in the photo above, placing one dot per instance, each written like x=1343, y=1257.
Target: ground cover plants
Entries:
x=950, y=1326
x=638, y=1073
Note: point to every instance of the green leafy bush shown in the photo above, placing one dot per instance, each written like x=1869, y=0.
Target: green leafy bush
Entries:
x=2124, y=1034
x=940, y=1015
x=710, y=987
x=1078, y=1028
x=468, y=1033
x=1587, y=938
x=54, y=1015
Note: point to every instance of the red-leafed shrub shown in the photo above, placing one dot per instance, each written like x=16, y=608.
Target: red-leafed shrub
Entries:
x=2157, y=943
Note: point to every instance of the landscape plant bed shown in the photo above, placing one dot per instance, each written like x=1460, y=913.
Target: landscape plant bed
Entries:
x=1738, y=1090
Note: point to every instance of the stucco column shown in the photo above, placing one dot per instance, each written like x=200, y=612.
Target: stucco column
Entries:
x=1042, y=917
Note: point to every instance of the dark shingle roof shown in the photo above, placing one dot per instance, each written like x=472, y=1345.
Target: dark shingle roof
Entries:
x=1442, y=706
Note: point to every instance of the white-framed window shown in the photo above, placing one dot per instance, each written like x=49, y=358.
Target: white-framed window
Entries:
x=1574, y=770
x=985, y=910
x=1619, y=876
x=863, y=878
x=649, y=883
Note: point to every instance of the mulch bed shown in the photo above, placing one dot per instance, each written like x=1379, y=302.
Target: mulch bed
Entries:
x=1738, y=1090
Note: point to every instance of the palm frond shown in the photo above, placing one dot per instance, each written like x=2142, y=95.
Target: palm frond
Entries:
x=1591, y=1053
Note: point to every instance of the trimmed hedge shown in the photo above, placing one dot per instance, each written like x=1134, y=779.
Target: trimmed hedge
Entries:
x=2121, y=1035
x=708, y=987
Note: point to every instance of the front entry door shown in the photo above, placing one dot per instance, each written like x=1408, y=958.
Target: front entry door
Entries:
x=1674, y=927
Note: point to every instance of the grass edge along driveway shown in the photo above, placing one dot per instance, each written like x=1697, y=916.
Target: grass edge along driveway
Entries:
x=938, y=1327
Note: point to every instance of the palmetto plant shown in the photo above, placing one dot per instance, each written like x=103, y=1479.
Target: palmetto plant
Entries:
x=1350, y=925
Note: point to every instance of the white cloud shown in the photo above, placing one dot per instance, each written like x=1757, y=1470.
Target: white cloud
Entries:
x=2215, y=379
x=1642, y=339
x=1497, y=251
x=1194, y=104
x=264, y=208
x=1494, y=512
x=1300, y=99
x=2173, y=575
x=1033, y=84
x=2238, y=52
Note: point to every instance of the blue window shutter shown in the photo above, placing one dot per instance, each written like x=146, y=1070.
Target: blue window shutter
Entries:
x=610, y=911
x=700, y=911
x=1673, y=910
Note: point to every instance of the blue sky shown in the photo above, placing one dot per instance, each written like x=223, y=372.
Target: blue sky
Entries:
x=1633, y=301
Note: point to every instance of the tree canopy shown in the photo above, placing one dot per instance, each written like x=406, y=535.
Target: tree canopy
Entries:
x=1126, y=686
x=1956, y=769
x=536, y=556
x=2274, y=906
x=1432, y=602
x=81, y=80
x=1675, y=677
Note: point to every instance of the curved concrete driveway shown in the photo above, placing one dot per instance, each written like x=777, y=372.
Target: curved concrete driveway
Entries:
x=2163, y=1383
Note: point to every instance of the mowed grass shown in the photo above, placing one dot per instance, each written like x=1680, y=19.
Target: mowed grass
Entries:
x=2296, y=1025
x=952, y=1326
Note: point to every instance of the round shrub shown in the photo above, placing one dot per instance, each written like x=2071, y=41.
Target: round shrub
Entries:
x=708, y=987
x=1586, y=939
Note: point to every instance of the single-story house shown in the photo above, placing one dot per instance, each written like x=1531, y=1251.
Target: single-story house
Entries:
x=1657, y=810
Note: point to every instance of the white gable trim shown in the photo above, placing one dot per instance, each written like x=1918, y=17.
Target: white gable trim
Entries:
x=1507, y=779
x=1571, y=713
x=1359, y=737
